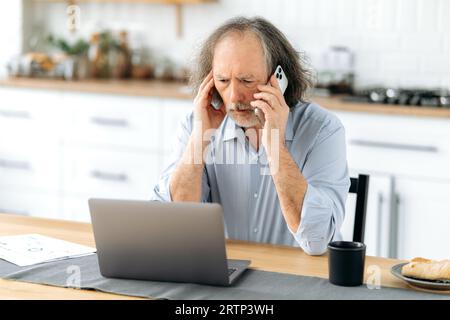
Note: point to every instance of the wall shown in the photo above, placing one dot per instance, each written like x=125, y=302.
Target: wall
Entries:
x=397, y=42
x=10, y=31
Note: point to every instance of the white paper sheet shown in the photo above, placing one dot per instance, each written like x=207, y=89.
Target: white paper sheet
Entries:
x=28, y=249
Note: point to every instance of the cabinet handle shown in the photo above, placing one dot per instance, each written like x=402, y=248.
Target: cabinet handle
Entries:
x=15, y=114
x=394, y=220
x=109, y=176
x=396, y=146
x=110, y=122
x=13, y=164
x=380, y=201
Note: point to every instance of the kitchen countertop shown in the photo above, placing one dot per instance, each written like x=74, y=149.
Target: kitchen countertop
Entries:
x=176, y=90
x=149, y=88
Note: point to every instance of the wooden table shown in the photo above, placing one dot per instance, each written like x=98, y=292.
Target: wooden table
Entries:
x=264, y=257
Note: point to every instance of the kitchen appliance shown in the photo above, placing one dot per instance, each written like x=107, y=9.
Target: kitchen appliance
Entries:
x=409, y=97
x=335, y=71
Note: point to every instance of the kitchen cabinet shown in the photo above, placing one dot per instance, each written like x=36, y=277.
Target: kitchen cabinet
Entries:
x=175, y=111
x=29, y=139
x=24, y=165
x=407, y=159
x=423, y=218
x=402, y=146
x=379, y=222
x=62, y=148
x=109, y=173
x=30, y=203
x=24, y=117
x=124, y=122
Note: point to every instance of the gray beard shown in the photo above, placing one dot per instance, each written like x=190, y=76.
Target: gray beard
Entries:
x=251, y=120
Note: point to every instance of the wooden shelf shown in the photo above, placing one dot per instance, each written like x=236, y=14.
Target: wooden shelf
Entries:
x=180, y=2
x=177, y=3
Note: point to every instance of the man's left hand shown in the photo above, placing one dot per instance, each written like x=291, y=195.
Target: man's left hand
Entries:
x=271, y=102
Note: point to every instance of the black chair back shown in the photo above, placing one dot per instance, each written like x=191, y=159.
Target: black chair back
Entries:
x=360, y=186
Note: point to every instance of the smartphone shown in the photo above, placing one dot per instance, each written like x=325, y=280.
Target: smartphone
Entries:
x=216, y=100
x=282, y=79
x=282, y=83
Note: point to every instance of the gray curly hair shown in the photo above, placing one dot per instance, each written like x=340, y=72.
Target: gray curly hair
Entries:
x=277, y=50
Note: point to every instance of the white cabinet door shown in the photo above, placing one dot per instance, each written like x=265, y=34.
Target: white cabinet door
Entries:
x=76, y=209
x=109, y=173
x=175, y=111
x=27, y=114
x=28, y=165
x=424, y=219
x=37, y=204
x=398, y=145
x=410, y=150
x=113, y=120
x=378, y=217
x=105, y=173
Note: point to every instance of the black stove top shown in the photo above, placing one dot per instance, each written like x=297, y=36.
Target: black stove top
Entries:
x=439, y=98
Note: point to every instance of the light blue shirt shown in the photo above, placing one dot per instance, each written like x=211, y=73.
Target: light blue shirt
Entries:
x=238, y=177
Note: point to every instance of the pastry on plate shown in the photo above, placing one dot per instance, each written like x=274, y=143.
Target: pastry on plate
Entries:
x=421, y=268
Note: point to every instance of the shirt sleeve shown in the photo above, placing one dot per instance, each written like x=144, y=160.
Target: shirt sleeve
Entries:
x=161, y=191
x=323, y=209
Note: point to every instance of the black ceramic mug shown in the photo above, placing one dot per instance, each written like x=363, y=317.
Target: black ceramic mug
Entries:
x=346, y=263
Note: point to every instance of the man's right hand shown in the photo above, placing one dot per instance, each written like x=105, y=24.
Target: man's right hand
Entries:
x=186, y=180
x=204, y=112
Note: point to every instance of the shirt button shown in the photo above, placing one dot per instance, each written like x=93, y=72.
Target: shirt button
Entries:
x=255, y=195
x=255, y=230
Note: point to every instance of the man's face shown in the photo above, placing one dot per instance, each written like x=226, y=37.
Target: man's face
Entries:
x=239, y=66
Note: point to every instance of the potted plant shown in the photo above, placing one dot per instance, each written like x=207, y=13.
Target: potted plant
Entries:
x=75, y=62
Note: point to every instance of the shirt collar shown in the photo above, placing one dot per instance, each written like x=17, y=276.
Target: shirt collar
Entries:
x=229, y=129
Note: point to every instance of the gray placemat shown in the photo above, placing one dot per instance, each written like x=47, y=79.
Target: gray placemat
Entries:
x=84, y=273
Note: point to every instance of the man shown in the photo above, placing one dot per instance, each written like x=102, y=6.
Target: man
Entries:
x=276, y=163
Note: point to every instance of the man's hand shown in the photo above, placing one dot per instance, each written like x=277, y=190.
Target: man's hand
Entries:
x=204, y=112
x=186, y=180
x=271, y=102
x=289, y=182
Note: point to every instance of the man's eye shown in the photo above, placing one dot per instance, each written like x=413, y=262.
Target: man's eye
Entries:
x=223, y=80
x=248, y=81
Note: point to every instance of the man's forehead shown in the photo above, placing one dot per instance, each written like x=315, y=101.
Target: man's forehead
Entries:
x=241, y=53
x=220, y=74
x=238, y=70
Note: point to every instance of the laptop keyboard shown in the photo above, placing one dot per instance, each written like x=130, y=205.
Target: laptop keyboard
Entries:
x=231, y=270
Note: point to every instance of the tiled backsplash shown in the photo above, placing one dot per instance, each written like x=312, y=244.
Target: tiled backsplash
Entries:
x=396, y=42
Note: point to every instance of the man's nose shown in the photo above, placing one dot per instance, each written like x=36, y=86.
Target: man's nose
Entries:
x=236, y=94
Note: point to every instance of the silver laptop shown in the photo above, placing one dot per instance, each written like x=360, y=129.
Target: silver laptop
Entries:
x=151, y=240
